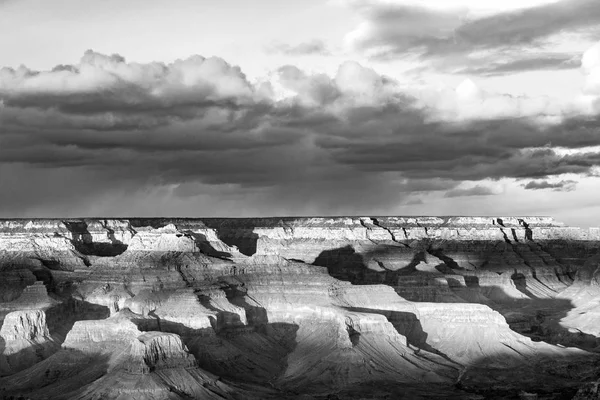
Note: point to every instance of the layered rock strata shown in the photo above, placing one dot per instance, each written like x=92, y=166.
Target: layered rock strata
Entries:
x=287, y=307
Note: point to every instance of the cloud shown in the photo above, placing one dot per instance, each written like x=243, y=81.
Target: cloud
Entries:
x=467, y=102
x=528, y=26
x=477, y=190
x=102, y=83
x=312, y=47
x=590, y=66
x=401, y=28
x=196, y=135
x=561, y=186
x=540, y=61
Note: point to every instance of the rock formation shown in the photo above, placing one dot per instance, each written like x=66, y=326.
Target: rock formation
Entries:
x=271, y=308
x=26, y=340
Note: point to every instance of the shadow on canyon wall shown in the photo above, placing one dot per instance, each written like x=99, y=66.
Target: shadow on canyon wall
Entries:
x=25, y=358
x=513, y=232
x=205, y=247
x=56, y=377
x=544, y=373
x=408, y=325
x=61, y=318
x=255, y=352
x=540, y=317
x=542, y=376
x=261, y=347
x=13, y=281
x=239, y=233
x=84, y=243
x=231, y=231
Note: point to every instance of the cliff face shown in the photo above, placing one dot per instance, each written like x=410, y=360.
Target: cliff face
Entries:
x=26, y=340
x=285, y=307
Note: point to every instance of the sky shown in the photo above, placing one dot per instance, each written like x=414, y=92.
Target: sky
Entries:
x=233, y=108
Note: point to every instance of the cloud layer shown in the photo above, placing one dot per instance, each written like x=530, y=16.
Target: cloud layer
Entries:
x=104, y=135
x=495, y=41
x=564, y=185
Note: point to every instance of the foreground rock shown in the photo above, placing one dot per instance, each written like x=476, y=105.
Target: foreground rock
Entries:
x=26, y=340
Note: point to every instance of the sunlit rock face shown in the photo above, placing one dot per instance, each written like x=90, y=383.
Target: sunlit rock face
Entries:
x=26, y=340
x=271, y=308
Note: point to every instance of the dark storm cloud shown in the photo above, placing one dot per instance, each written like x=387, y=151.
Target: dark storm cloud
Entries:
x=562, y=186
x=472, y=151
x=198, y=129
x=398, y=30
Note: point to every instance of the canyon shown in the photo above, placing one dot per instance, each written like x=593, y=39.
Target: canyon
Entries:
x=299, y=308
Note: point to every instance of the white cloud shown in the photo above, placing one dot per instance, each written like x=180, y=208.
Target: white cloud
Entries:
x=467, y=102
x=352, y=84
x=590, y=66
x=198, y=77
x=588, y=102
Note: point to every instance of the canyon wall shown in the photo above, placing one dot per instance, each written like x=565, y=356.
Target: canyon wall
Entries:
x=436, y=307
